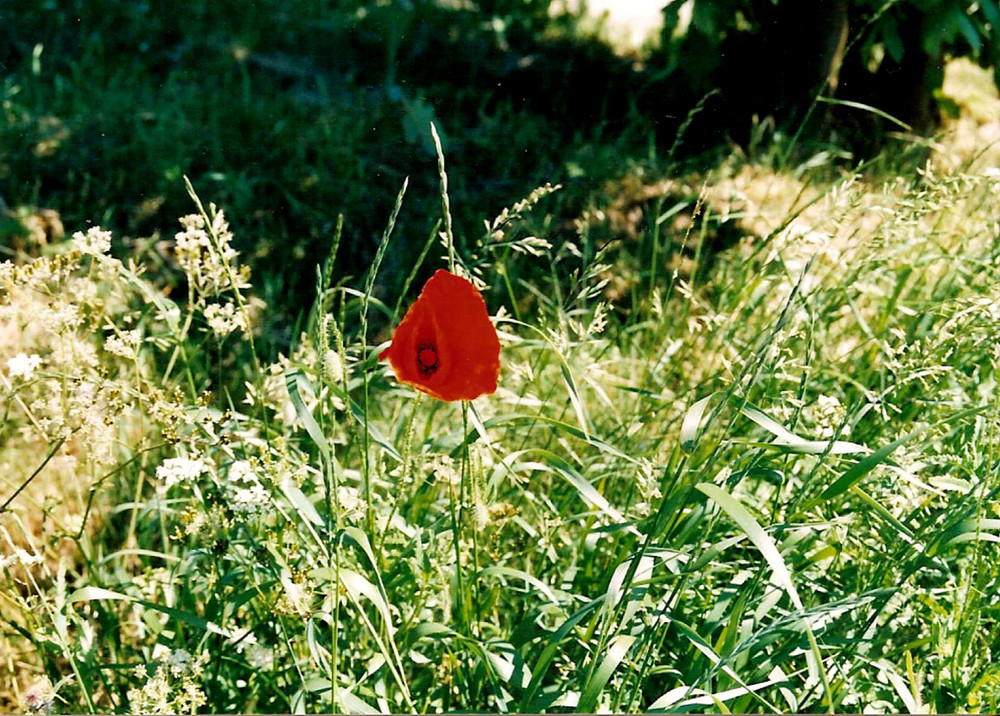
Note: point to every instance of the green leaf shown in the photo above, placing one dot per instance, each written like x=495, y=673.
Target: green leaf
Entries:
x=358, y=586
x=992, y=13
x=761, y=540
x=89, y=594
x=169, y=310
x=92, y=594
x=352, y=704
x=529, y=703
x=796, y=444
x=519, y=419
x=588, y=493
x=870, y=462
x=688, y=696
x=535, y=582
x=300, y=502
x=508, y=665
x=294, y=381
x=967, y=29
x=574, y=398
x=785, y=440
x=617, y=650
x=967, y=530
x=692, y=421
x=359, y=414
x=665, y=701
x=893, y=42
x=863, y=466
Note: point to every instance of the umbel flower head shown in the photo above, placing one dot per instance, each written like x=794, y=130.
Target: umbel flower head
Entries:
x=446, y=346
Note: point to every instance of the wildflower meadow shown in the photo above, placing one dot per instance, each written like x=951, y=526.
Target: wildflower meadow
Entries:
x=714, y=439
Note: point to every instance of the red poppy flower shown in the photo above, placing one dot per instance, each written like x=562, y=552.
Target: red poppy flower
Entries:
x=445, y=345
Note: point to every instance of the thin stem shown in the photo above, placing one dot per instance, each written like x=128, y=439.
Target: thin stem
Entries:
x=52, y=451
x=369, y=286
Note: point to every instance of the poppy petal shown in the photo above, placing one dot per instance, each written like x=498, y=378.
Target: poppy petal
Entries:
x=446, y=346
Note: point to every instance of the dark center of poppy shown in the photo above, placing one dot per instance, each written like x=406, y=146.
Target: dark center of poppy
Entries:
x=427, y=358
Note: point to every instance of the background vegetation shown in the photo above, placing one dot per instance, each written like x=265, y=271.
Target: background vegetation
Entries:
x=742, y=454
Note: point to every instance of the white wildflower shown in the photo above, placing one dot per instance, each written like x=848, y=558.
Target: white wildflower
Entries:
x=223, y=319
x=8, y=271
x=249, y=500
x=180, y=469
x=444, y=470
x=173, y=688
x=241, y=639
x=258, y=656
x=95, y=242
x=179, y=662
x=242, y=471
x=154, y=695
x=352, y=506
x=73, y=524
x=828, y=414
x=296, y=599
x=206, y=255
x=22, y=366
x=126, y=344
x=250, y=495
x=60, y=317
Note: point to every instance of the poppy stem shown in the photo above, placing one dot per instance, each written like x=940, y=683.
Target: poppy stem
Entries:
x=456, y=523
x=466, y=490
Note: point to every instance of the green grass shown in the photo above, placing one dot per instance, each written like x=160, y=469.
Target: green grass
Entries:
x=773, y=488
x=742, y=456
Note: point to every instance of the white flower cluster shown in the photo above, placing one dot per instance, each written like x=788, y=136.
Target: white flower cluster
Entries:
x=22, y=366
x=224, y=318
x=250, y=494
x=126, y=344
x=352, y=504
x=173, y=689
x=89, y=411
x=179, y=662
x=206, y=255
x=60, y=318
x=828, y=413
x=181, y=469
x=296, y=600
x=96, y=242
